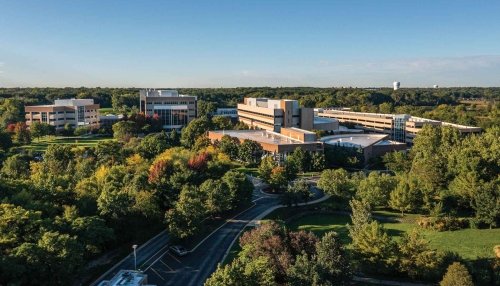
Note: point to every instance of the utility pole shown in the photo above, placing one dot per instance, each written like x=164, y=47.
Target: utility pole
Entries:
x=135, y=256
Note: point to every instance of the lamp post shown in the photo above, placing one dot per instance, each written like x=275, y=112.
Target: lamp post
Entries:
x=135, y=256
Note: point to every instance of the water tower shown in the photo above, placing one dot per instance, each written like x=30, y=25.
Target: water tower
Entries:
x=396, y=85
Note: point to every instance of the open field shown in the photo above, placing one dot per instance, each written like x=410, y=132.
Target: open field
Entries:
x=41, y=145
x=468, y=243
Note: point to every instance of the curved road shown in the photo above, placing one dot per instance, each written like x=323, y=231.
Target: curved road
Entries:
x=163, y=268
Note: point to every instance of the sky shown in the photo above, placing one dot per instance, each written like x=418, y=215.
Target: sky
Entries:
x=235, y=43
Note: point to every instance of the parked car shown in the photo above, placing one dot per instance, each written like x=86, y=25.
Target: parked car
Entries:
x=178, y=250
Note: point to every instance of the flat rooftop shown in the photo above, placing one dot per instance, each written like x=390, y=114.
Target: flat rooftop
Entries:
x=354, y=140
x=261, y=136
x=126, y=278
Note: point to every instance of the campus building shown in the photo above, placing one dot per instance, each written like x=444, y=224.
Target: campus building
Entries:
x=274, y=114
x=400, y=127
x=174, y=110
x=372, y=145
x=227, y=112
x=76, y=112
x=274, y=143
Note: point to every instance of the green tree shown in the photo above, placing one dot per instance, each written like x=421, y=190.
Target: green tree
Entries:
x=62, y=255
x=278, y=179
x=17, y=166
x=336, y=183
x=332, y=264
x=201, y=143
x=21, y=134
x=184, y=220
x=240, y=187
x=10, y=112
x=486, y=203
x=92, y=233
x=397, y=162
x=109, y=153
x=217, y=196
x=318, y=161
x=266, y=167
x=297, y=192
x=81, y=130
x=250, y=152
x=153, y=144
x=5, y=140
x=404, y=197
x=376, y=188
x=194, y=129
x=360, y=217
x=416, y=259
x=222, y=123
x=206, y=108
x=38, y=129
x=124, y=130
x=457, y=274
x=300, y=160
x=229, y=146
x=174, y=138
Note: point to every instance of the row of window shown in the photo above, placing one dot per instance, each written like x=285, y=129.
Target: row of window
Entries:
x=172, y=102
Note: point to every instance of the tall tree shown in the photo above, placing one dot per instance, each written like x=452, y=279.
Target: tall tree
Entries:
x=335, y=182
x=194, y=129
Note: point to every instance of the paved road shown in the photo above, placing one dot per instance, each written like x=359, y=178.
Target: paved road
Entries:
x=144, y=253
x=163, y=268
x=194, y=268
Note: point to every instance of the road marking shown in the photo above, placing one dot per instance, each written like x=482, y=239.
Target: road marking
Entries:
x=154, y=262
x=124, y=259
x=166, y=265
x=158, y=274
x=174, y=257
x=258, y=199
x=161, y=249
x=194, y=248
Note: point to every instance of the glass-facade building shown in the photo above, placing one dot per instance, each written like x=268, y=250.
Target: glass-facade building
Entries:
x=173, y=109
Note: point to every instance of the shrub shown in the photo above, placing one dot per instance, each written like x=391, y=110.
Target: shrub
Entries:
x=443, y=223
x=457, y=274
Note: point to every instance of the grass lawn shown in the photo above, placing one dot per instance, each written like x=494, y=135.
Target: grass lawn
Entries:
x=249, y=171
x=41, y=145
x=468, y=243
x=106, y=110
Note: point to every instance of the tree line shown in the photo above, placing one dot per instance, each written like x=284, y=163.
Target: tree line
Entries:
x=69, y=205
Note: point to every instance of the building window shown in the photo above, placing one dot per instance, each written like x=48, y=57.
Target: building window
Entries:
x=44, y=117
x=81, y=114
x=170, y=117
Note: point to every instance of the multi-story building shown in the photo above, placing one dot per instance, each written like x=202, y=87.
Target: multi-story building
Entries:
x=174, y=110
x=76, y=112
x=401, y=127
x=274, y=114
x=279, y=145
